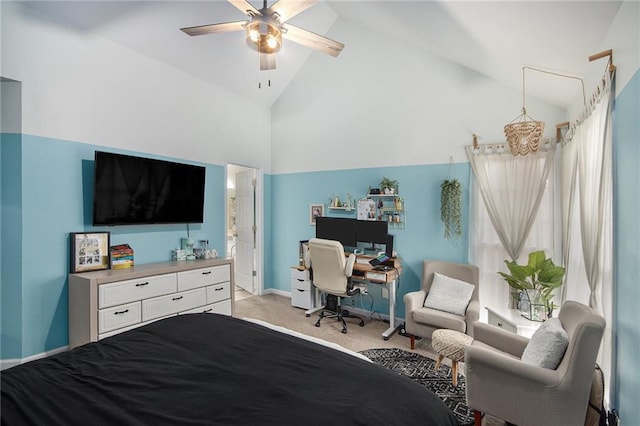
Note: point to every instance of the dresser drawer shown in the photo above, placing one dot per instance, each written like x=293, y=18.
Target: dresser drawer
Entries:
x=202, y=277
x=172, y=303
x=500, y=322
x=216, y=293
x=118, y=317
x=138, y=289
x=299, y=275
x=223, y=307
x=300, y=285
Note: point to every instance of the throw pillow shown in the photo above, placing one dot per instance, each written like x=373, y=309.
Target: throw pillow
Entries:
x=547, y=345
x=449, y=294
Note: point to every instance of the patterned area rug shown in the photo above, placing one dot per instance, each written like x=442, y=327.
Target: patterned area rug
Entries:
x=420, y=369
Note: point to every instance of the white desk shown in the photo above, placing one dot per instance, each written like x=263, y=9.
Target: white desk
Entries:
x=388, y=278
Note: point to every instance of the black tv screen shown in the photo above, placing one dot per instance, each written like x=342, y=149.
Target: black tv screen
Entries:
x=338, y=229
x=132, y=190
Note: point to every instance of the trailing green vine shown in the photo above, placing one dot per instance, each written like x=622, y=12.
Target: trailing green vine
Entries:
x=451, y=208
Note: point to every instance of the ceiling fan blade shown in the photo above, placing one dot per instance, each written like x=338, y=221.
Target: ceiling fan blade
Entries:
x=267, y=61
x=245, y=7
x=287, y=9
x=309, y=39
x=215, y=28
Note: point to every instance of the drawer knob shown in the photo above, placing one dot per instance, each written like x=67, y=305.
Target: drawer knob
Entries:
x=206, y=273
x=218, y=288
x=207, y=310
x=300, y=280
x=177, y=298
x=499, y=324
x=121, y=312
x=142, y=284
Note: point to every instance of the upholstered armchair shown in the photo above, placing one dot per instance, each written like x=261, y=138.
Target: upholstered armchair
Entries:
x=423, y=321
x=542, y=381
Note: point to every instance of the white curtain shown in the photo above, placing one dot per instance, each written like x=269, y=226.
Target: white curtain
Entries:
x=587, y=220
x=515, y=216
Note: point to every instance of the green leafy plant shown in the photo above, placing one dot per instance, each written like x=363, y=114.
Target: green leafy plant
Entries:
x=540, y=274
x=451, y=208
x=387, y=183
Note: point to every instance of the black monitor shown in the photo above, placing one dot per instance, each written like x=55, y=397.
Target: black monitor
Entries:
x=372, y=231
x=337, y=228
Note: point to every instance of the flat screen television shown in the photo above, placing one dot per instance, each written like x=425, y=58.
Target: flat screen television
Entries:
x=338, y=229
x=130, y=190
x=372, y=232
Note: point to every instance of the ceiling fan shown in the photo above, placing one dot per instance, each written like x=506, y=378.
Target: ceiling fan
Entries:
x=266, y=28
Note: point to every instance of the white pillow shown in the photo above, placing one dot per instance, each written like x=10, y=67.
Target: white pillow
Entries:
x=547, y=345
x=449, y=294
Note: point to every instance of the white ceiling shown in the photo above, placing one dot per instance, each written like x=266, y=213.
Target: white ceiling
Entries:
x=494, y=38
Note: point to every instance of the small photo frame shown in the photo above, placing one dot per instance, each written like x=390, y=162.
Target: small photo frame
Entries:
x=89, y=251
x=315, y=211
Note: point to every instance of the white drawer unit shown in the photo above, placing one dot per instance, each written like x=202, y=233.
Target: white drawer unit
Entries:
x=202, y=277
x=119, y=316
x=218, y=292
x=173, y=303
x=511, y=320
x=130, y=290
x=104, y=303
x=302, y=292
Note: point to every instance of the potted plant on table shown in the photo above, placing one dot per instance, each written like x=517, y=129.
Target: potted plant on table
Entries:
x=536, y=281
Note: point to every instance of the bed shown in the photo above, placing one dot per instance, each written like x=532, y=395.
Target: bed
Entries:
x=212, y=369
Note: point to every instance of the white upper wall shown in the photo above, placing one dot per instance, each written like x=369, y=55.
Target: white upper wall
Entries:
x=383, y=103
x=80, y=87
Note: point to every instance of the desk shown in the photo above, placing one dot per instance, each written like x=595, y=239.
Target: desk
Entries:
x=363, y=272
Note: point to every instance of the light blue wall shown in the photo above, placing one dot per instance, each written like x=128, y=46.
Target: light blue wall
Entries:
x=626, y=148
x=56, y=198
x=11, y=245
x=422, y=237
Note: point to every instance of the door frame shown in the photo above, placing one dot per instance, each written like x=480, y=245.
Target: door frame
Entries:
x=259, y=221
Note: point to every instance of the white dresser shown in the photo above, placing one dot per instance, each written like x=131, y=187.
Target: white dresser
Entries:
x=104, y=303
x=302, y=292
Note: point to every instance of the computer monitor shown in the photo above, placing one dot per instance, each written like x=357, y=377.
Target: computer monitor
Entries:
x=372, y=231
x=337, y=228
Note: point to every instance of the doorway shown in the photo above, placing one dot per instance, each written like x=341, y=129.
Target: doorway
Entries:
x=243, y=232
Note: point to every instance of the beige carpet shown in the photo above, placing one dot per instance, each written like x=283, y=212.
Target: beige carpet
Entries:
x=277, y=310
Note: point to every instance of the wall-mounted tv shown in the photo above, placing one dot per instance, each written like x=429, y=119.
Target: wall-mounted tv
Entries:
x=132, y=190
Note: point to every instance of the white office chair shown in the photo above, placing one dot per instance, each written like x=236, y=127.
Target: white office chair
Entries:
x=331, y=273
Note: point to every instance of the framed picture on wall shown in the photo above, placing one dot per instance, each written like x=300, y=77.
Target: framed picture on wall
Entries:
x=89, y=251
x=315, y=210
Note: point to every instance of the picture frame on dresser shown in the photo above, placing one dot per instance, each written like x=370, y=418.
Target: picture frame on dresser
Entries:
x=89, y=251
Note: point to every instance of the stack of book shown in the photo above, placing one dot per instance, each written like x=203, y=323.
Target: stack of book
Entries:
x=121, y=256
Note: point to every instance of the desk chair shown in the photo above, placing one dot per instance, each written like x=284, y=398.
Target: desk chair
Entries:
x=331, y=274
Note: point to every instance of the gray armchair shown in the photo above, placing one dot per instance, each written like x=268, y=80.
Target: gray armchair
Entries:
x=421, y=321
x=500, y=384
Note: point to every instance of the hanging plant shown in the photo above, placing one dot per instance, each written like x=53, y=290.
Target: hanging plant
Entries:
x=451, y=208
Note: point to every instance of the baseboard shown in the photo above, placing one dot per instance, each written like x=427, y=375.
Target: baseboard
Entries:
x=278, y=292
x=8, y=363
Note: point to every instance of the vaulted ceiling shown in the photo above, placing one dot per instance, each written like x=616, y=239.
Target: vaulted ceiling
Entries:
x=495, y=38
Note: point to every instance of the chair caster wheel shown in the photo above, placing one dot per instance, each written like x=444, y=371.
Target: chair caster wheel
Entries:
x=317, y=324
x=361, y=323
x=344, y=331
x=307, y=315
x=385, y=338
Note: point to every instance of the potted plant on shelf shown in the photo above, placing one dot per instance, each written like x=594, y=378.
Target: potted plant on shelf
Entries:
x=451, y=208
x=389, y=186
x=536, y=281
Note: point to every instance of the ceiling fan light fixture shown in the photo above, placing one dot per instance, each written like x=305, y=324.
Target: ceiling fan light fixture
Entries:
x=264, y=37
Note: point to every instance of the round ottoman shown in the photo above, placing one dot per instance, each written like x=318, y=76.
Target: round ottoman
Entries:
x=450, y=344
